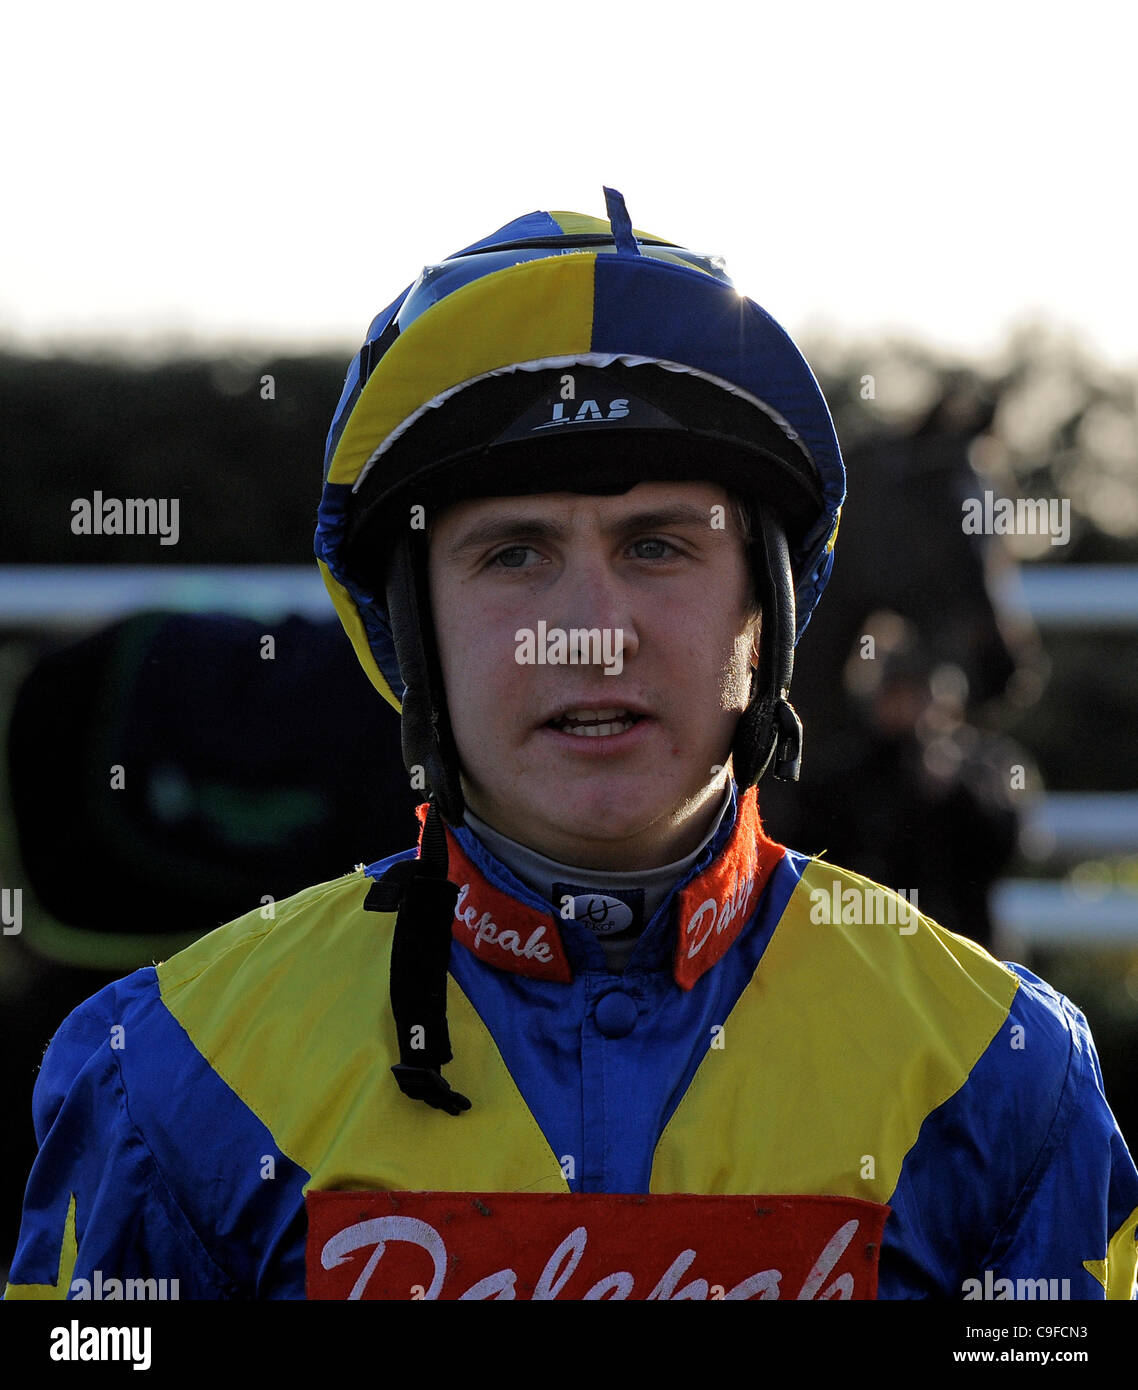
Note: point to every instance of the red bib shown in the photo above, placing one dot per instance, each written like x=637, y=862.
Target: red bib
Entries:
x=470, y=1245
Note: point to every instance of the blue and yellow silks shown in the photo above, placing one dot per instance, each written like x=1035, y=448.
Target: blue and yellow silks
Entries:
x=904, y=1067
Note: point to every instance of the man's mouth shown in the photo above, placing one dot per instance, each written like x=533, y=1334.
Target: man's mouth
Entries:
x=595, y=723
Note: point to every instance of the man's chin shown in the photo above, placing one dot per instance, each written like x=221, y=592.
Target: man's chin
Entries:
x=624, y=828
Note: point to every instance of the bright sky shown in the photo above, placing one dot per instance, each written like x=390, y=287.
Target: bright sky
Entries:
x=279, y=172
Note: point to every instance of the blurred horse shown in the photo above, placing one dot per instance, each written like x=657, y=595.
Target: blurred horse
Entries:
x=902, y=550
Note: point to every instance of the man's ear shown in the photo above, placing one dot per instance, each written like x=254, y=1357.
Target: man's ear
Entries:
x=756, y=637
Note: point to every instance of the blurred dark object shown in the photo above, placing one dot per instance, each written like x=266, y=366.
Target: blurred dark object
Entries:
x=912, y=795
x=254, y=759
x=875, y=794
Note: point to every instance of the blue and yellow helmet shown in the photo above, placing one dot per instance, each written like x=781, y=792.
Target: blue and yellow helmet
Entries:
x=460, y=391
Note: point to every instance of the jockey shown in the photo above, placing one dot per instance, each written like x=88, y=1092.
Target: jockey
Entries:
x=581, y=497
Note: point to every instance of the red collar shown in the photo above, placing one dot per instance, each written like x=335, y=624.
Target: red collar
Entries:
x=710, y=911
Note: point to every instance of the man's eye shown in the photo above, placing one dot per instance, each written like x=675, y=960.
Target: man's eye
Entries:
x=651, y=548
x=512, y=558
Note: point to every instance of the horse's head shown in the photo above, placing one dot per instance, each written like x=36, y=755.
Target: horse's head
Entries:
x=903, y=547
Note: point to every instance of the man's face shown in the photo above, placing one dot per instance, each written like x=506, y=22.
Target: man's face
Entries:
x=593, y=769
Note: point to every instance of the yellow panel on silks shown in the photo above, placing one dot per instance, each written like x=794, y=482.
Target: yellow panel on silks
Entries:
x=847, y=1037
x=353, y=625
x=59, y=1289
x=524, y=313
x=291, y=1015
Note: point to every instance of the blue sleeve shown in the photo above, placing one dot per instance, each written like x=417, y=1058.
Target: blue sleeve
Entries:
x=1020, y=1177
x=97, y=1206
x=1073, y=1223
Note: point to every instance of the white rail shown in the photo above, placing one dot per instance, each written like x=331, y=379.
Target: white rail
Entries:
x=1055, y=595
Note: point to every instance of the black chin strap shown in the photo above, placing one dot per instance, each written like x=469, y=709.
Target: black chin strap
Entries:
x=425, y=900
x=769, y=733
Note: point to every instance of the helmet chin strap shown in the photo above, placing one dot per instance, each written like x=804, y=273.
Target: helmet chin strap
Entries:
x=428, y=741
x=769, y=733
x=424, y=899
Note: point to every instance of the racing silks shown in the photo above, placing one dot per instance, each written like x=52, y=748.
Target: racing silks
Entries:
x=753, y=1045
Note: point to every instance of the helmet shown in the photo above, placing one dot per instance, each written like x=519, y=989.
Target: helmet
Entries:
x=461, y=391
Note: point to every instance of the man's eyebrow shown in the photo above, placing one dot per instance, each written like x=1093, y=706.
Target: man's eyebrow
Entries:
x=660, y=518
x=497, y=529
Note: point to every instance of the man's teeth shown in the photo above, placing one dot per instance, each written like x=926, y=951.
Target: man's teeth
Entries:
x=596, y=723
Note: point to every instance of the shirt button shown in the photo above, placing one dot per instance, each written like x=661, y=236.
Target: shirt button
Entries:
x=615, y=1015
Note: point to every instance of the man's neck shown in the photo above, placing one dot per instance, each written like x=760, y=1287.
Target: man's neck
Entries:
x=659, y=845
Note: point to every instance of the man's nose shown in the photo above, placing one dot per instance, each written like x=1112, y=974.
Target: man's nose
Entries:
x=593, y=597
